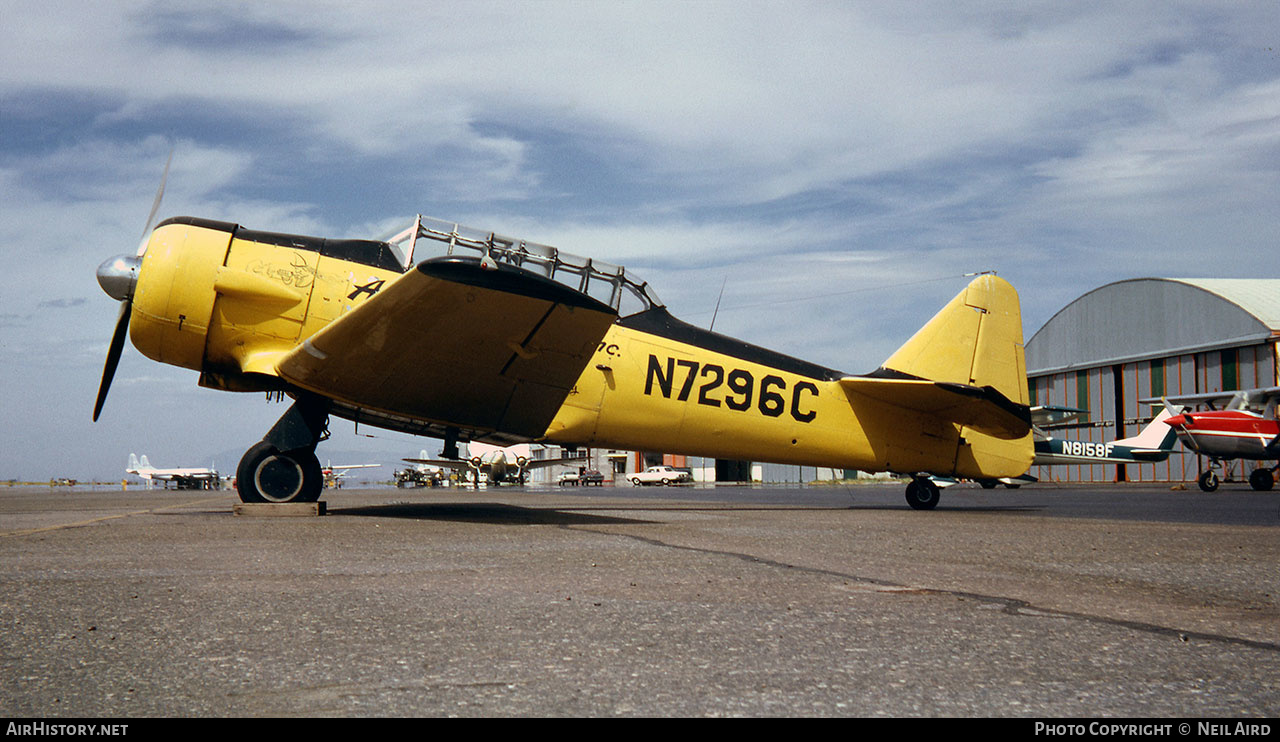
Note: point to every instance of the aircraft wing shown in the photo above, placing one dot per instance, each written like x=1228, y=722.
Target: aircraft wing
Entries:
x=540, y=463
x=1218, y=399
x=981, y=408
x=455, y=343
x=1044, y=416
x=1152, y=454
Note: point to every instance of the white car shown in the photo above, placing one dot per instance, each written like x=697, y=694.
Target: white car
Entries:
x=661, y=475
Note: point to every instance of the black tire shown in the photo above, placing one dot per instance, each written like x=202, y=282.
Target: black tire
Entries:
x=923, y=494
x=635, y=481
x=1208, y=481
x=1261, y=480
x=266, y=474
x=987, y=484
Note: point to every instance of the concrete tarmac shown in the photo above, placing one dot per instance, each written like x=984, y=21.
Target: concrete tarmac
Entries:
x=625, y=602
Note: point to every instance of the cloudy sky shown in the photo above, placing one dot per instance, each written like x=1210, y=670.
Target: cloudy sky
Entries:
x=836, y=166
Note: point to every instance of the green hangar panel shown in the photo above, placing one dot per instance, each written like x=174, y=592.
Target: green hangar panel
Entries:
x=1150, y=337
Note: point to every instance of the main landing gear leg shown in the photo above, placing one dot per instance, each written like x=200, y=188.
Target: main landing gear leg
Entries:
x=284, y=467
x=923, y=494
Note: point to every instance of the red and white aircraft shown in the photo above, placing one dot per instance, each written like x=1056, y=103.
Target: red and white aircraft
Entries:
x=333, y=475
x=1246, y=428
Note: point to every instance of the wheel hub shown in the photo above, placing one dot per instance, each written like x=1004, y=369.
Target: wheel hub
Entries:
x=279, y=478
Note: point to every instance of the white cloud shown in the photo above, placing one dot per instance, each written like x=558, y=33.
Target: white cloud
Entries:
x=860, y=155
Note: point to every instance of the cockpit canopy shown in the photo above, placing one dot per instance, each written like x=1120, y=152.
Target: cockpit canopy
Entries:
x=605, y=282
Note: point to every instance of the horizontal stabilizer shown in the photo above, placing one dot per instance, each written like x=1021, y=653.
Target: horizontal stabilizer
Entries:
x=982, y=408
x=1046, y=416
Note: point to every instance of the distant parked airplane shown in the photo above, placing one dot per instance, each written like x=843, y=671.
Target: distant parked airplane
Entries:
x=501, y=464
x=1246, y=428
x=193, y=478
x=1153, y=444
x=333, y=475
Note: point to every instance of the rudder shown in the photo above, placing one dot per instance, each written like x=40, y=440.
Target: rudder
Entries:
x=976, y=340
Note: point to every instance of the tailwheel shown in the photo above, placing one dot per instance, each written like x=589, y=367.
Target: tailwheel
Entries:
x=923, y=494
x=1262, y=480
x=267, y=474
x=1208, y=481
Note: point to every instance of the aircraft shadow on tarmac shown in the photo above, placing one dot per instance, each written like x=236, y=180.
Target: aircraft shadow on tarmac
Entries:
x=961, y=508
x=492, y=513
x=693, y=507
x=504, y=514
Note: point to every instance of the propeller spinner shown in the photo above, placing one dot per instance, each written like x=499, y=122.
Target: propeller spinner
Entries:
x=118, y=276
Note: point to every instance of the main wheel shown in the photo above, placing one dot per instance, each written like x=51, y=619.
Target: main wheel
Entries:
x=923, y=494
x=267, y=474
x=1208, y=481
x=1261, y=480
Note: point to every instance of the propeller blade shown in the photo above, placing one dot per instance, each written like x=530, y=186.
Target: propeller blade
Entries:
x=155, y=205
x=113, y=355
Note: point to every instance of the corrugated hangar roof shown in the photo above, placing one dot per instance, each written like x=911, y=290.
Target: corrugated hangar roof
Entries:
x=1257, y=296
x=1155, y=317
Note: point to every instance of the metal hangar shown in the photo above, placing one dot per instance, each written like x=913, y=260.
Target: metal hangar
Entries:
x=1151, y=337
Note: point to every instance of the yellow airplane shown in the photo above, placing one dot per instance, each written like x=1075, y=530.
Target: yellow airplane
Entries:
x=469, y=336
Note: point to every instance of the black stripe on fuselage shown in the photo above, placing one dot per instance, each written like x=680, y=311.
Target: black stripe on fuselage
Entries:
x=366, y=252
x=658, y=321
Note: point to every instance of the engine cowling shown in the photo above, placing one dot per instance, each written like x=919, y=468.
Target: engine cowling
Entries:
x=174, y=295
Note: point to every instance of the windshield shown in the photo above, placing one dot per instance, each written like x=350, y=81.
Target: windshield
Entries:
x=605, y=282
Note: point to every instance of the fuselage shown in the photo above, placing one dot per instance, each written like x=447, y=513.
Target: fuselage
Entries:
x=658, y=384
x=1058, y=451
x=1229, y=434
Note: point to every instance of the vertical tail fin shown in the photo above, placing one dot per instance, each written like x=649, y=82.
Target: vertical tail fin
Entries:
x=1156, y=436
x=133, y=463
x=975, y=340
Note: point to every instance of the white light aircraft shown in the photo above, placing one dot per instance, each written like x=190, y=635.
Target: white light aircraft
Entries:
x=1153, y=444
